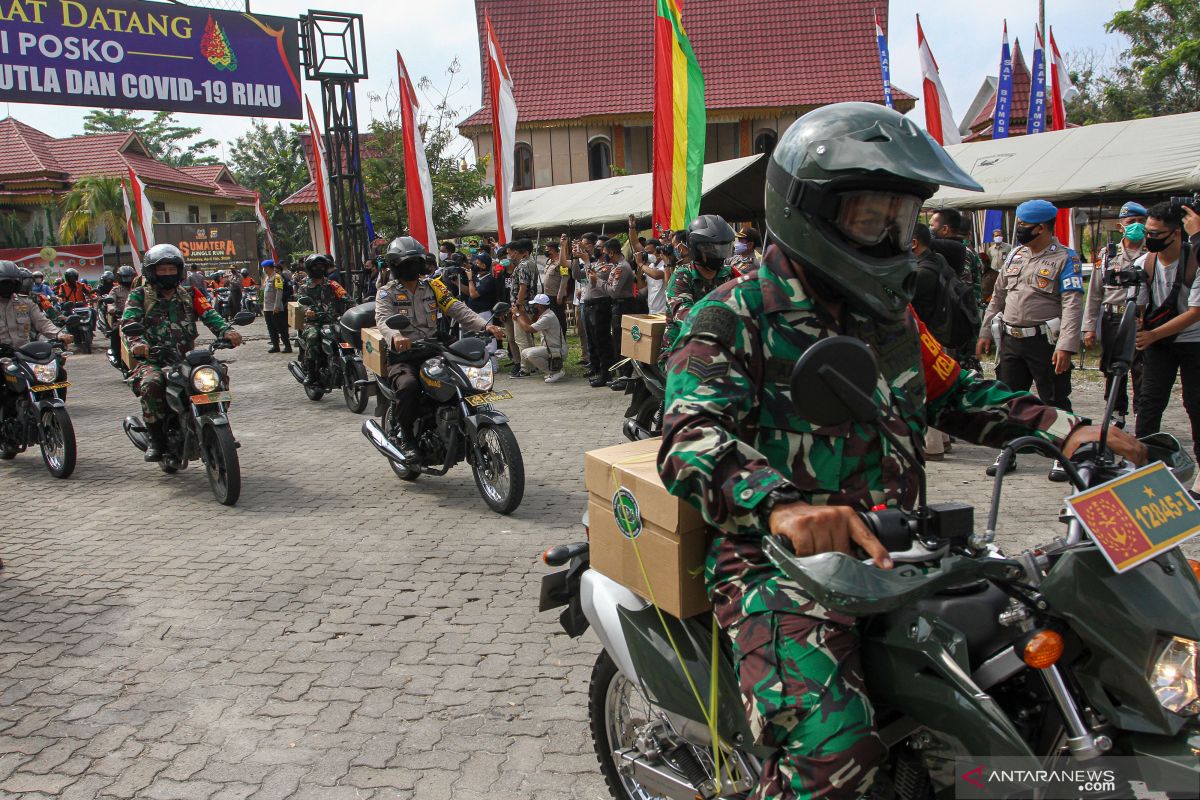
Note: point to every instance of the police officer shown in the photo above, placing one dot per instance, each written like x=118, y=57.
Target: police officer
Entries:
x=1105, y=305
x=424, y=301
x=1039, y=297
x=733, y=446
x=709, y=244
x=21, y=318
x=168, y=313
x=323, y=294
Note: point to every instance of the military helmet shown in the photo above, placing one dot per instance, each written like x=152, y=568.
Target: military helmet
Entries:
x=317, y=265
x=844, y=186
x=125, y=275
x=10, y=274
x=163, y=254
x=710, y=239
x=107, y=278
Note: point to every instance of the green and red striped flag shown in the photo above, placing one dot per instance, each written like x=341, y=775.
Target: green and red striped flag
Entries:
x=679, y=121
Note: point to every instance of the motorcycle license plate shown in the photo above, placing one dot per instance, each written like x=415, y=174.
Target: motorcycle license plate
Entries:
x=49, y=387
x=211, y=397
x=489, y=397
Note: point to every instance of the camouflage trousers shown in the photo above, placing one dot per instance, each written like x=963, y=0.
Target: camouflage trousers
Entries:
x=311, y=338
x=149, y=384
x=800, y=675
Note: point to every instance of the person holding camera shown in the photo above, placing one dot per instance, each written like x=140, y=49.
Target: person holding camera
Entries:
x=1105, y=305
x=548, y=357
x=619, y=287
x=1170, y=331
x=556, y=279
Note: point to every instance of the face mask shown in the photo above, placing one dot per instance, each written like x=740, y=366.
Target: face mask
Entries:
x=1155, y=245
x=651, y=258
x=1135, y=232
x=72, y=280
x=1025, y=233
x=997, y=239
x=167, y=282
x=8, y=289
x=740, y=248
x=407, y=271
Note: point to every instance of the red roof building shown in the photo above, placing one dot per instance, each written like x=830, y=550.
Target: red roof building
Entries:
x=583, y=77
x=979, y=127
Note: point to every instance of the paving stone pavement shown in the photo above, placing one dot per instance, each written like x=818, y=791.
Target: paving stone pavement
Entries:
x=338, y=633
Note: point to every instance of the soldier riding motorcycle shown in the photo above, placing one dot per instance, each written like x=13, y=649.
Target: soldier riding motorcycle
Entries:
x=112, y=306
x=184, y=392
x=318, y=371
x=436, y=400
x=33, y=395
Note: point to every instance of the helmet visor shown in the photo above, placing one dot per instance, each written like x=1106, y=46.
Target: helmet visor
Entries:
x=871, y=218
x=712, y=254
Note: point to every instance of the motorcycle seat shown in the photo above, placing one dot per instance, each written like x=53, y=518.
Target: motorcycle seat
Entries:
x=359, y=317
x=974, y=612
x=473, y=351
x=36, y=351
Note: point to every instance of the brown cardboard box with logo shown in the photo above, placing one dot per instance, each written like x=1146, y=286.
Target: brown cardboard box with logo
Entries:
x=374, y=350
x=295, y=314
x=642, y=336
x=671, y=536
x=126, y=359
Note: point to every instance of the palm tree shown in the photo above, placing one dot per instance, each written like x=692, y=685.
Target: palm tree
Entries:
x=93, y=201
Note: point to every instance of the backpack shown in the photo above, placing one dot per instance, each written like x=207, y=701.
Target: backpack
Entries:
x=953, y=317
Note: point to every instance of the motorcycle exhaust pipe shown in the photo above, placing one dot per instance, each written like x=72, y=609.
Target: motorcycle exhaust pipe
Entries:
x=634, y=432
x=135, y=429
x=297, y=372
x=375, y=434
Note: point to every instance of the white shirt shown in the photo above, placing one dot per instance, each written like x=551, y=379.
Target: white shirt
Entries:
x=1164, y=279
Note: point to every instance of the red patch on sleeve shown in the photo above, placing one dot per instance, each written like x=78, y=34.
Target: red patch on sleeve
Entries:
x=338, y=291
x=941, y=370
x=200, y=303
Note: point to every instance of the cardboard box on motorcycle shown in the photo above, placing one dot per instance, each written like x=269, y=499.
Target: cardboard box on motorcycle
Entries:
x=627, y=506
x=375, y=350
x=295, y=315
x=642, y=336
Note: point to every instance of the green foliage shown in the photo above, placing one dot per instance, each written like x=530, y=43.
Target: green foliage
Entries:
x=165, y=139
x=93, y=202
x=456, y=186
x=270, y=160
x=12, y=232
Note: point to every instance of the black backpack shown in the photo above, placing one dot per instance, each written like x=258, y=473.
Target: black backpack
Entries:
x=952, y=315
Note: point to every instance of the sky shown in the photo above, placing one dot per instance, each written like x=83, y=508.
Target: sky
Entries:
x=964, y=37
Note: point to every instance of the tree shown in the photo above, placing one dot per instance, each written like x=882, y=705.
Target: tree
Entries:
x=456, y=186
x=93, y=202
x=270, y=160
x=165, y=139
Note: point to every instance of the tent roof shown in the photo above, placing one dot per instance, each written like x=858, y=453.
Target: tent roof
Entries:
x=1111, y=162
x=732, y=188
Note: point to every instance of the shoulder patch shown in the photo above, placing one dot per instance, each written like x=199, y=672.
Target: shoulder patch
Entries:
x=714, y=322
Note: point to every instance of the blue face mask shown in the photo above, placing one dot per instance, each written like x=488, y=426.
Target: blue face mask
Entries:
x=740, y=248
x=1135, y=232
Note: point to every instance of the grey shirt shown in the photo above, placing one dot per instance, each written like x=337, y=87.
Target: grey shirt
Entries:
x=273, y=290
x=619, y=282
x=1160, y=286
x=587, y=292
x=1099, y=295
x=552, y=337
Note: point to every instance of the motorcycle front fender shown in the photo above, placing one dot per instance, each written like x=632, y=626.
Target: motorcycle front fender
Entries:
x=1167, y=763
x=481, y=419
x=48, y=403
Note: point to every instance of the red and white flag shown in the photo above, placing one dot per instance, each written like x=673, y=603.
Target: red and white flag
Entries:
x=265, y=225
x=130, y=233
x=504, y=130
x=1061, y=90
x=418, y=187
x=324, y=206
x=145, y=211
x=939, y=119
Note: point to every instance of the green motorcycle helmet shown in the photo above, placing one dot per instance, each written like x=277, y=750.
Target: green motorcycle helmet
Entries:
x=844, y=187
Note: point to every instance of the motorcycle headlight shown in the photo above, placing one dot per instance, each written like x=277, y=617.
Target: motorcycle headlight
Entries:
x=205, y=380
x=1174, y=679
x=481, y=377
x=45, y=373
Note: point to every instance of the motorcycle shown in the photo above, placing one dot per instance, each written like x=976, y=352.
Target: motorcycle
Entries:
x=1048, y=656
x=33, y=407
x=221, y=301
x=196, y=422
x=455, y=418
x=340, y=360
x=108, y=325
x=83, y=327
x=250, y=302
x=647, y=387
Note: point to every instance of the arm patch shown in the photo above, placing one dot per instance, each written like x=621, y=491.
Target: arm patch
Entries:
x=714, y=322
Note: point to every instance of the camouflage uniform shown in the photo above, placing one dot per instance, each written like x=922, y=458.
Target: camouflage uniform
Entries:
x=48, y=308
x=168, y=321
x=324, y=295
x=731, y=436
x=686, y=287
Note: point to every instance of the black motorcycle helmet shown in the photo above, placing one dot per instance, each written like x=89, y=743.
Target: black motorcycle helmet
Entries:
x=164, y=254
x=72, y=275
x=26, y=285
x=126, y=275
x=39, y=277
x=405, y=258
x=710, y=240
x=844, y=186
x=107, y=279
x=245, y=272
x=10, y=279
x=318, y=265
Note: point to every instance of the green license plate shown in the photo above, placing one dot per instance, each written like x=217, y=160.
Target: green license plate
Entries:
x=489, y=397
x=212, y=397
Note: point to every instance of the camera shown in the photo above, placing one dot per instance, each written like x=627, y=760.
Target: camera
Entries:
x=1192, y=202
x=1125, y=277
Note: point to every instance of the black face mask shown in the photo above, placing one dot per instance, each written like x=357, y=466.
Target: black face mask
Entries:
x=166, y=282
x=1157, y=245
x=316, y=273
x=127, y=281
x=1025, y=233
x=407, y=271
x=8, y=289
x=72, y=280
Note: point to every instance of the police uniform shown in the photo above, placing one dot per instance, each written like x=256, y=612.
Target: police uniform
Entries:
x=22, y=321
x=1103, y=312
x=1033, y=289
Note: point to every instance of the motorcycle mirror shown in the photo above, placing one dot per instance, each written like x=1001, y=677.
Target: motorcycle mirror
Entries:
x=304, y=301
x=133, y=329
x=398, y=322
x=500, y=309
x=834, y=382
x=243, y=318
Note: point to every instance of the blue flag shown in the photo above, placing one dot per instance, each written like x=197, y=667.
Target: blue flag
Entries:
x=994, y=220
x=884, y=64
x=1037, y=89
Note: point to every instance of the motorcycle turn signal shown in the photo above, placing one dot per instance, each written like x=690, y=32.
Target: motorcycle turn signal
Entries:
x=1041, y=648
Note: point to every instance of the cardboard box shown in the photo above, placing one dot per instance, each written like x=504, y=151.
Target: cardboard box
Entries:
x=642, y=336
x=670, y=535
x=125, y=357
x=374, y=350
x=295, y=316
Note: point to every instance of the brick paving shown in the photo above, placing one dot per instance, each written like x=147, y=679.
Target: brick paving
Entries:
x=337, y=634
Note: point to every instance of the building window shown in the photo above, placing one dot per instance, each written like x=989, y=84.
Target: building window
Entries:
x=193, y=214
x=522, y=167
x=160, y=211
x=216, y=215
x=599, y=159
x=765, y=141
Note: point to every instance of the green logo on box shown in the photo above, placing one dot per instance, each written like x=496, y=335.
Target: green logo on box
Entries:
x=627, y=513
x=635, y=333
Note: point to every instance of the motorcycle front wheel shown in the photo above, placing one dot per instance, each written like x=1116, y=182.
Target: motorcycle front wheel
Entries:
x=499, y=470
x=356, y=396
x=650, y=416
x=221, y=464
x=57, y=438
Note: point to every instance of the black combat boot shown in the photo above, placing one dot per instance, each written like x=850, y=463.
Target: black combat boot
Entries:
x=154, y=441
x=407, y=446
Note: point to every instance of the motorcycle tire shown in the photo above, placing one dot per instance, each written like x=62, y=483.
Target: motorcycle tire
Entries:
x=221, y=463
x=314, y=393
x=603, y=689
x=8, y=453
x=499, y=442
x=57, y=438
x=402, y=473
x=167, y=468
x=650, y=416
x=356, y=396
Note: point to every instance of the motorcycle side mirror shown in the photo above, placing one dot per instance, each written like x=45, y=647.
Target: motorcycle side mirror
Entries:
x=398, y=322
x=243, y=318
x=133, y=329
x=304, y=301
x=500, y=309
x=834, y=382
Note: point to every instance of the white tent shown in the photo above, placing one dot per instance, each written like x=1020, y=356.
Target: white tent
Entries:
x=1091, y=165
x=732, y=188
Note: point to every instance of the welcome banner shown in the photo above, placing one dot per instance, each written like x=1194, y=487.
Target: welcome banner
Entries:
x=153, y=56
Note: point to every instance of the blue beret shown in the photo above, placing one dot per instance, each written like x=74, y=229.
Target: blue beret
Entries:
x=1035, y=211
x=1132, y=209
x=266, y=262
